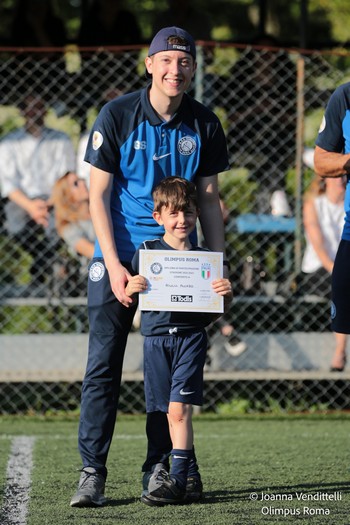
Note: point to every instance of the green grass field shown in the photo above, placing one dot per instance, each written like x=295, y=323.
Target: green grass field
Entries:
x=299, y=465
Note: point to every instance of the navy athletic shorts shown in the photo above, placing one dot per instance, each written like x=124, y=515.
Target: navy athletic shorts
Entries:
x=173, y=369
x=340, y=308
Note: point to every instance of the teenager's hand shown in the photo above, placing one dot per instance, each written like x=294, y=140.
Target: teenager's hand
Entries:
x=119, y=277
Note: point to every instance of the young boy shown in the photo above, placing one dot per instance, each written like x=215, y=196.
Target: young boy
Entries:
x=175, y=344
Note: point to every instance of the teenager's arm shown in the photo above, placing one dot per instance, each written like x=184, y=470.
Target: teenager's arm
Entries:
x=100, y=193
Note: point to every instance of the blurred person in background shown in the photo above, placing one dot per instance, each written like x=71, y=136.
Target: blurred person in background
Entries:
x=70, y=198
x=32, y=159
x=323, y=217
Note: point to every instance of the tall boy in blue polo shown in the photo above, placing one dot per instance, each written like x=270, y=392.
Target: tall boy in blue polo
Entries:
x=136, y=140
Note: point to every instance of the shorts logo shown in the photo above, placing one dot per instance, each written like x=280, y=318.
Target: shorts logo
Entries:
x=156, y=268
x=97, y=140
x=96, y=272
x=333, y=310
x=187, y=145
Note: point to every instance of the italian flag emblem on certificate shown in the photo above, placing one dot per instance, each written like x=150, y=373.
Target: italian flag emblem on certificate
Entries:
x=205, y=270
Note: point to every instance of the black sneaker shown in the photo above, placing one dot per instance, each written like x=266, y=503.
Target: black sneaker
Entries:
x=147, y=476
x=194, y=489
x=163, y=490
x=91, y=489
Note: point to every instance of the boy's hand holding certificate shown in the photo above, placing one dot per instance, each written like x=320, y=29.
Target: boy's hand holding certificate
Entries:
x=181, y=280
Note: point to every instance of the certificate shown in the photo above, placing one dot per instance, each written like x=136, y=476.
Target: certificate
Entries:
x=180, y=280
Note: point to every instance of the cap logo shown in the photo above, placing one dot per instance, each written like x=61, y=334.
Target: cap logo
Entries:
x=183, y=48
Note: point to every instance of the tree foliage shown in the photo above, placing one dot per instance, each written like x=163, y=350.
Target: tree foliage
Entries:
x=235, y=20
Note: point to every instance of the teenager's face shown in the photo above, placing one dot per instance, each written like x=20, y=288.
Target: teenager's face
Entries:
x=171, y=71
x=178, y=224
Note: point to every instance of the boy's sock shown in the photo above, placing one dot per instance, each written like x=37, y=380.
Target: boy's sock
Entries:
x=193, y=469
x=180, y=460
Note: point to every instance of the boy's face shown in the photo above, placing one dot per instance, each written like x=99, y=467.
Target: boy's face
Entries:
x=178, y=224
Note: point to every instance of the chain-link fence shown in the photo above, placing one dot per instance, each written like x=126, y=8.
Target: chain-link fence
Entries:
x=270, y=102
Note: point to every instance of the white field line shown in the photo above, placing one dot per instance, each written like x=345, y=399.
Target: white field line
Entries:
x=18, y=481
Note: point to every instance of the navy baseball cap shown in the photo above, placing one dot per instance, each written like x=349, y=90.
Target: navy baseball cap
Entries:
x=172, y=39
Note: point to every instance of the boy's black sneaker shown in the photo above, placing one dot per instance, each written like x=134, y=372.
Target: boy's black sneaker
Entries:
x=147, y=476
x=194, y=489
x=163, y=490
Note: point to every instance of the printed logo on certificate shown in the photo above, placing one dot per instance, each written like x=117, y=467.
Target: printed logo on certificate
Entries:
x=181, y=280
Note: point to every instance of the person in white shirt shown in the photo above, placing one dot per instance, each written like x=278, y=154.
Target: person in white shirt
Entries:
x=32, y=159
x=323, y=216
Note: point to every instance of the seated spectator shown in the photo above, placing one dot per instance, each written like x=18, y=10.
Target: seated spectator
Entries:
x=323, y=216
x=32, y=159
x=70, y=198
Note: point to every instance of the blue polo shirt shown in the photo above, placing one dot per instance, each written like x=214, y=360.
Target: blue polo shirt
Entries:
x=334, y=136
x=129, y=140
